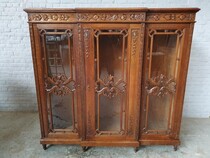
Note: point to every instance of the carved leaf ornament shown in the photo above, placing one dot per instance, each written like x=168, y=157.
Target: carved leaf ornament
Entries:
x=59, y=85
x=110, y=88
x=160, y=86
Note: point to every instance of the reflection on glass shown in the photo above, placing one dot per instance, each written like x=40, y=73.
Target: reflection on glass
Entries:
x=110, y=79
x=163, y=62
x=109, y=114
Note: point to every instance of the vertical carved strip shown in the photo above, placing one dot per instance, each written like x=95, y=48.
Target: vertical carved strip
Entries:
x=86, y=38
x=86, y=35
x=141, y=47
x=88, y=56
x=134, y=81
x=134, y=41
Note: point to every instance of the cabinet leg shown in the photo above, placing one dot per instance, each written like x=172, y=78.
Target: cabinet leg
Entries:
x=44, y=146
x=136, y=149
x=85, y=148
x=175, y=147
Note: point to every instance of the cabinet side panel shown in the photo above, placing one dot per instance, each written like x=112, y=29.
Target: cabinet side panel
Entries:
x=183, y=76
x=32, y=39
x=41, y=85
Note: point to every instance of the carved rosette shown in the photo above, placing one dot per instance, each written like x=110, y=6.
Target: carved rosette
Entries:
x=58, y=85
x=110, y=88
x=168, y=17
x=160, y=86
x=45, y=17
x=110, y=17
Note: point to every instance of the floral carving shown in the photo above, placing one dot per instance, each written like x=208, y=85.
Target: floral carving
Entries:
x=160, y=86
x=135, y=35
x=59, y=85
x=86, y=39
x=110, y=17
x=37, y=17
x=49, y=17
x=110, y=88
x=170, y=17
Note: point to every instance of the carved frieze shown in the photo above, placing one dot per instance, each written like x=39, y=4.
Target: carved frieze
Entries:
x=168, y=17
x=86, y=17
x=58, y=85
x=110, y=17
x=52, y=17
x=160, y=86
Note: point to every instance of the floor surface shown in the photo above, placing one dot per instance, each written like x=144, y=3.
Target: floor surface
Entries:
x=20, y=133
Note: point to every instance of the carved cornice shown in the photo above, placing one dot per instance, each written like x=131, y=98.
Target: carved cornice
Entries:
x=170, y=17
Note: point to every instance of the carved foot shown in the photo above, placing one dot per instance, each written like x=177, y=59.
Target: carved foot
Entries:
x=85, y=148
x=136, y=149
x=175, y=147
x=44, y=146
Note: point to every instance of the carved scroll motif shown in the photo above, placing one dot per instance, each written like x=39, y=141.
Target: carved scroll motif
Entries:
x=160, y=86
x=110, y=88
x=59, y=85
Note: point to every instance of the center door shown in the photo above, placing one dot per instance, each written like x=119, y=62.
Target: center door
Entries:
x=113, y=53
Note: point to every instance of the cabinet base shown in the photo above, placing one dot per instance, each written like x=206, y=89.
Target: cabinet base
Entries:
x=111, y=143
x=87, y=144
x=174, y=142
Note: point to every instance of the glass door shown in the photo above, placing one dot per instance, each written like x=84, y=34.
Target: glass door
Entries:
x=108, y=63
x=56, y=63
x=162, y=60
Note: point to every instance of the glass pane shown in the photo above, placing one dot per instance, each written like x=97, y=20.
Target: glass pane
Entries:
x=61, y=112
x=162, y=70
x=110, y=80
x=110, y=56
x=58, y=54
x=110, y=114
x=60, y=81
